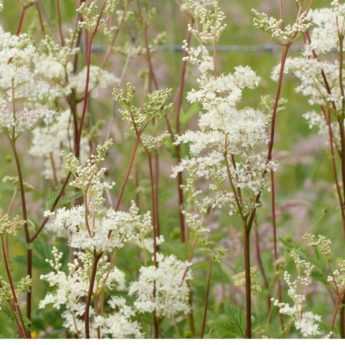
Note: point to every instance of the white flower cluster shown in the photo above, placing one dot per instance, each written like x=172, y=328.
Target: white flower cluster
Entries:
x=328, y=23
x=99, y=80
x=152, y=142
x=22, y=286
x=320, y=242
x=54, y=65
x=95, y=18
x=163, y=289
x=92, y=225
x=282, y=33
x=5, y=294
x=34, y=78
x=92, y=229
x=239, y=280
x=156, y=105
x=306, y=322
x=9, y=226
x=88, y=177
x=24, y=93
x=229, y=141
x=208, y=19
x=49, y=142
x=109, y=229
x=318, y=68
x=69, y=292
x=309, y=73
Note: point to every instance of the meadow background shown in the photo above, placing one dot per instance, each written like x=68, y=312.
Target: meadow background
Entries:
x=306, y=200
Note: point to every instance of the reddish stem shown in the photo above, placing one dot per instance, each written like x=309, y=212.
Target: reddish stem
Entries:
x=207, y=297
x=248, y=284
x=90, y=292
x=59, y=18
x=262, y=268
x=126, y=179
x=25, y=226
x=52, y=208
x=18, y=314
x=179, y=178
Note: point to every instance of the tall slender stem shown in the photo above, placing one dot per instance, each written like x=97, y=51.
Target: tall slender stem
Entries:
x=342, y=318
x=154, y=211
x=89, y=38
x=179, y=177
x=152, y=76
x=284, y=54
x=156, y=190
x=22, y=18
x=274, y=217
x=261, y=267
x=248, y=284
x=156, y=321
x=52, y=208
x=18, y=314
x=207, y=297
x=25, y=226
x=88, y=50
x=128, y=172
x=247, y=226
x=152, y=82
x=59, y=18
x=90, y=293
x=340, y=120
x=40, y=17
x=275, y=238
